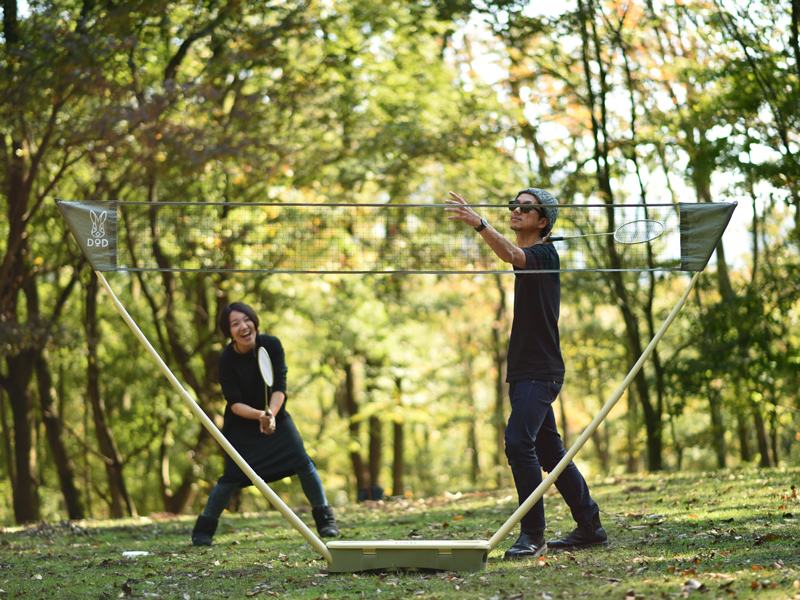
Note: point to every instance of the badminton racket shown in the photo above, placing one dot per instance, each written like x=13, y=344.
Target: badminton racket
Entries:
x=633, y=232
x=265, y=365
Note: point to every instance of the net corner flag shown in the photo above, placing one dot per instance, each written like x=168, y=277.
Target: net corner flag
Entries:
x=94, y=226
x=702, y=226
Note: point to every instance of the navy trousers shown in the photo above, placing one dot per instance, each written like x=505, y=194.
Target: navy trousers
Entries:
x=532, y=444
x=221, y=494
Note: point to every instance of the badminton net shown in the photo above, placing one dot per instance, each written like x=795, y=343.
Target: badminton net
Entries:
x=356, y=238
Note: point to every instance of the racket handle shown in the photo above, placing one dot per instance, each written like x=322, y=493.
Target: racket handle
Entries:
x=556, y=238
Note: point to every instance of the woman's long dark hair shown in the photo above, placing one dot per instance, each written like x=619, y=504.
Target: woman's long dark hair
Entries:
x=225, y=316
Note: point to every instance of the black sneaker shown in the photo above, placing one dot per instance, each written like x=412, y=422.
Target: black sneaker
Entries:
x=585, y=536
x=527, y=546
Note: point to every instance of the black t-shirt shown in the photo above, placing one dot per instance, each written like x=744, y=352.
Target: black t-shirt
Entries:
x=241, y=379
x=534, y=351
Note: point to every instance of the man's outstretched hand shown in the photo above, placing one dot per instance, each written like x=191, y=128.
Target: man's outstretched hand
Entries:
x=461, y=211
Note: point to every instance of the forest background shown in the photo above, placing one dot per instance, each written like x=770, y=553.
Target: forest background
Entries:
x=396, y=381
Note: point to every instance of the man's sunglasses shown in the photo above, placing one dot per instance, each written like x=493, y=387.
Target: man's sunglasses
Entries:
x=525, y=208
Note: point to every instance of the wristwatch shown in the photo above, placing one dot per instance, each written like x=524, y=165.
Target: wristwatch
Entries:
x=484, y=224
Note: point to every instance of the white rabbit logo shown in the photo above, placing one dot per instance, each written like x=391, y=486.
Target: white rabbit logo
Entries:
x=98, y=230
x=98, y=224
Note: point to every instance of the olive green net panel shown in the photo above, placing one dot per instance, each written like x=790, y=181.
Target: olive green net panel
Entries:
x=375, y=238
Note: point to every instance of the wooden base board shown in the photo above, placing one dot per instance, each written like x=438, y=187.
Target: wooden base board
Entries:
x=441, y=555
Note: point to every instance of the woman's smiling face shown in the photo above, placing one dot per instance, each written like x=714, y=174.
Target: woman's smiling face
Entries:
x=243, y=332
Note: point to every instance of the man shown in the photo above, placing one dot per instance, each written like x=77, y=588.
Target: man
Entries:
x=535, y=371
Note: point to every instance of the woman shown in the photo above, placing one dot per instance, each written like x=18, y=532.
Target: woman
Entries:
x=264, y=435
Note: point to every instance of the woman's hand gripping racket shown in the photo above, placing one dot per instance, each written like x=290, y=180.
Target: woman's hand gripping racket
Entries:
x=265, y=366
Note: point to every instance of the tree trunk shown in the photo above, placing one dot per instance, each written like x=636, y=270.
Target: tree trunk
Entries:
x=744, y=435
x=397, y=464
x=8, y=450
x=26, y=498
x=351, y=408
x=676, y=442
x=596, y=100
x=717, y=427
x=120, y=500
x=12, y=277
x=652, y=413
x=398, y=458
x=180, y=500
x=472, y=438
x=761, y=435
x=600, y=439
x=56, y=438
x=600, y=436
x=171, y=342
x=631, y=464
x=723, y=278
x=795, y=44
x=773, y=431
x=375, y=449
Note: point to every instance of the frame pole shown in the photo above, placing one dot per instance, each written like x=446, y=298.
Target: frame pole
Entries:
x=551, y=478
x=273, y=498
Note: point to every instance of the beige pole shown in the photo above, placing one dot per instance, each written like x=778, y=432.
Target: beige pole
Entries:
x=551, y=478
x=273, y=498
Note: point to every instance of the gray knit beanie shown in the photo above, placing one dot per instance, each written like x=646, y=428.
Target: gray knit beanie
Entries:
x=544, y=198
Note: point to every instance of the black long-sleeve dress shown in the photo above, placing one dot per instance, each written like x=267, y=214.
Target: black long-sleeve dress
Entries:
x=273, y=456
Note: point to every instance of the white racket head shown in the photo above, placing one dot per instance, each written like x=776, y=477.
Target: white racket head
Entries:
x=265, y=364
x=638, y=232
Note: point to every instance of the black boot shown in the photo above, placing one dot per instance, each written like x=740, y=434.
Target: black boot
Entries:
x=204, y=530
x=326, y=522
x=527, y=546
x=585, y=536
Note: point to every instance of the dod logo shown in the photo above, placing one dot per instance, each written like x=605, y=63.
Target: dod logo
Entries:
x=98, y=239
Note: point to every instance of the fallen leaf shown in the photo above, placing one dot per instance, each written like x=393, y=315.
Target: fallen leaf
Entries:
x=693, y=584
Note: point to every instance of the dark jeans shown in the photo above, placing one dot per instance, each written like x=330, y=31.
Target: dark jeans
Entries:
x=532, y=444
x=221, y=495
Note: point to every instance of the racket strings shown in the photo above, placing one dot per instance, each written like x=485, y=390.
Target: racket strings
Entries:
x=638, y=232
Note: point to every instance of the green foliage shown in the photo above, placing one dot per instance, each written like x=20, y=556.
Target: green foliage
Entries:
x=365, y=102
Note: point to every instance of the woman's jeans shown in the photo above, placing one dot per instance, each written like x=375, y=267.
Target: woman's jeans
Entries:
x=532, y=444
x=221, y=495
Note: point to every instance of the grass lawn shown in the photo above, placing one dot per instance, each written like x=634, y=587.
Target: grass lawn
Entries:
x=722, y=534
